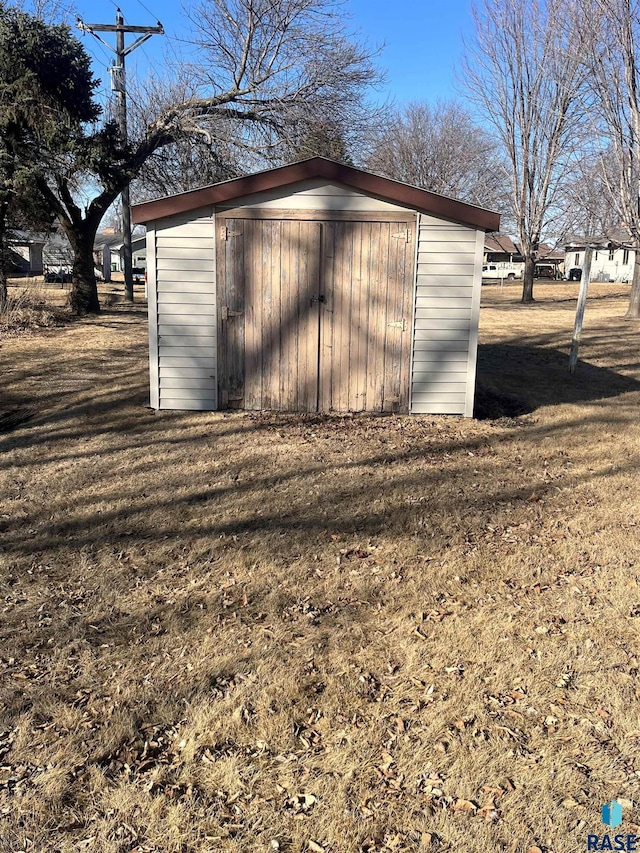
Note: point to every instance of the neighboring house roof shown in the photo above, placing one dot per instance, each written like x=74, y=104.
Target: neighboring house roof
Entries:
x=18, y=237
x=617, y=238
x=503, y=244
x=500, y=243
x=548, y=253
x=319, y=167
x=57, y=251
x=114, y=242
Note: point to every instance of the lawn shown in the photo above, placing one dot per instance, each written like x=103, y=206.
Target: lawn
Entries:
x=258, y=632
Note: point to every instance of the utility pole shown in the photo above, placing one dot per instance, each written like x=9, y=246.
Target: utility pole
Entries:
x=118, y=85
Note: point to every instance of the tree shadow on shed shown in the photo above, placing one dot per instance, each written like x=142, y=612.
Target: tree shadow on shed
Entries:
x=516, y=380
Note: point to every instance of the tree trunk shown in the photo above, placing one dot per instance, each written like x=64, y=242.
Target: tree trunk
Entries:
x=527, y=279
x=633, y=312
x=4, y=293
x=84, y=287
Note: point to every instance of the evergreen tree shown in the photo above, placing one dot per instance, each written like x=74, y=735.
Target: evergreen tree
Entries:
x=45, y=96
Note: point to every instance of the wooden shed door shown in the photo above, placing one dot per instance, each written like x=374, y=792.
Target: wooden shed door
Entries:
x=367, y=272
x=269, y=314
x=315, y=315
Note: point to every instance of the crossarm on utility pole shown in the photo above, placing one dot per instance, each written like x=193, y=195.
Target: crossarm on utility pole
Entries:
x=111, y=28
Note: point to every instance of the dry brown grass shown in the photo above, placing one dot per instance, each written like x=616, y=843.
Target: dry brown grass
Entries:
x=242, y=632
x=31, y=305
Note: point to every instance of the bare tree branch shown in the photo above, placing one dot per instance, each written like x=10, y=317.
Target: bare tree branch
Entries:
x=613, y=62
x=524, y=72
x=442, y=149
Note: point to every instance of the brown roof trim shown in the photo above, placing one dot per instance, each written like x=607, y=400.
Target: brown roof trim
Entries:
x=318, y=167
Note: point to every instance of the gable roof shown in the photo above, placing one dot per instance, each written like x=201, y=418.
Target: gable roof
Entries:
x=497, y=243
x=500, y=243
x=319, y=167
x=116, y=244
x=18, y=237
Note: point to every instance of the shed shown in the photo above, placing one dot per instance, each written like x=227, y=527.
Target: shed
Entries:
x=314, y=287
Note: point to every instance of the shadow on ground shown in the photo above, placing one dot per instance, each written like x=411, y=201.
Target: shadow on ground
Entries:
x=516, y=380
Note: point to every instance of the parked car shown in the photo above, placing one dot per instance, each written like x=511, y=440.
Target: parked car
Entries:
x=62, y=275
x=59, y=275
x=545, y=271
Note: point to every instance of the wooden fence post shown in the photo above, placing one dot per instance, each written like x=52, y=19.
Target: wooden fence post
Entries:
x=582, y=301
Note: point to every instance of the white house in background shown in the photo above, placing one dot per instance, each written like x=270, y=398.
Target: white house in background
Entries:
x=503, y=259
x=612, y=260
x=108, y=248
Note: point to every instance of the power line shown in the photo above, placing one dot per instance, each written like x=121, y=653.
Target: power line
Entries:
x=146, y=9
x=104, y=53
x=118, y=85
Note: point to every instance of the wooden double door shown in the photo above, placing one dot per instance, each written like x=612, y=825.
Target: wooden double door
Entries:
x=314, y=315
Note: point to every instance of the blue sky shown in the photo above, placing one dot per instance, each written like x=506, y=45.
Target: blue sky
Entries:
x=423, y=43
x=422, y=38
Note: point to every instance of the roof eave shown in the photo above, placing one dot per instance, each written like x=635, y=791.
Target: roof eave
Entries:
x=405, y=195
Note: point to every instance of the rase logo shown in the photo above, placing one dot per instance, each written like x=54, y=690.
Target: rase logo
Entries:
x=612, y=816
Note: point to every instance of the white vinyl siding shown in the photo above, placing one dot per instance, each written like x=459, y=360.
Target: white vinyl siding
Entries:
x=312, y=195
x=607, y=265
x=182, y=312
x=447, y=294
x=182, y=302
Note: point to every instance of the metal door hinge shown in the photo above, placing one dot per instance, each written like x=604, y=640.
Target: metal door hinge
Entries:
x=399, y=324
x=225, y=233
x=225, y=313
x=403, y=235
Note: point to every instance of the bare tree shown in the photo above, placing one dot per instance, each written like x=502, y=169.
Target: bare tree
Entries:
x=613, y=60
x=184, y=165
x=50, y=11
x=585, y=206
x=442, y=149
x=284, y=61
x=320, y=138
x=262, y=67
x=524, y=72
x=193, y=158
